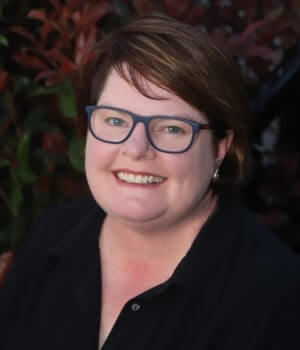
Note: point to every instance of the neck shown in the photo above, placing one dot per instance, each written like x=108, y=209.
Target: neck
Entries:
x=155, y=243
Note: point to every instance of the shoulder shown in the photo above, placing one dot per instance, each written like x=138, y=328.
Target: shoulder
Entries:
x=261, y=259
x=273, y=285
x=264, y=283
x=56, y=223
x=58, y=226
x=268, y=251
x=66, y=214
x=60, y=230
x=266, y=266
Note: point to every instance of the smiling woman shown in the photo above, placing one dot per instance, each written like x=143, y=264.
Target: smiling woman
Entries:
x=164, y=255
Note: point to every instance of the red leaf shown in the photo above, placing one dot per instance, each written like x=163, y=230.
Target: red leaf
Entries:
x=23, y=32
x=262, y=51
x=92, y=14
x=85, y=46
x=46, y=29
x=44, y=184
x=253, y=27
x=54, y=143
x=194, y=15
x=50, y=166
x=286, y=24
x=67, y=67
x=176, y=8
x=40, y=16
x=37, y=14
x=55, y=55
x=246, y=36
x=51, y=77
x=5, y=262
x=74, y=4
x=4, y=126
x=30, y=62
x=279, y=27
x=66, y=14
x=80, y=47
x=88, y=57
x=76, y=15
x=3, y=79
x=56, y=4
x=294, y=5
x=143, y=7
x=219, y=35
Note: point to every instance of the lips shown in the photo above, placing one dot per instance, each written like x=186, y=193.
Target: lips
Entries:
x=138, y=178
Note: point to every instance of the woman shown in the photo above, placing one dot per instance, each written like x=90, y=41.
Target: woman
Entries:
x=174, y=261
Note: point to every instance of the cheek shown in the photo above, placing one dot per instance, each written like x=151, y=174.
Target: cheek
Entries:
x=197, y=167
x=90, y=153
x=98, y=155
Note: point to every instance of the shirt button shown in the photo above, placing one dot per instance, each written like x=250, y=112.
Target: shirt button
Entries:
x=135, y=307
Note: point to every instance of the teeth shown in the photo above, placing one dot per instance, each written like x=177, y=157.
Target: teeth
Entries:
x=139, y=179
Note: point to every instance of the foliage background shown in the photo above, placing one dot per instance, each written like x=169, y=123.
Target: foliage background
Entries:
x=43, y=47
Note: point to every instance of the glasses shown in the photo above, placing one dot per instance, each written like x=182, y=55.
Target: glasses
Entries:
x=165, y=133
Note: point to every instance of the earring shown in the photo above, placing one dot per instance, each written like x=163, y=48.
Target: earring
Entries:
x=215, y=176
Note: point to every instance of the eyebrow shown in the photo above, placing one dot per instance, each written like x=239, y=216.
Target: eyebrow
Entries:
x=197, y=119
x=169, y=115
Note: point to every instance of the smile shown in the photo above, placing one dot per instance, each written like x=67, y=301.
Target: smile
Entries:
x=138, y=178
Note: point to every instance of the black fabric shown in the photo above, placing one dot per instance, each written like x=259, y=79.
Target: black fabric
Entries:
x=237, y=288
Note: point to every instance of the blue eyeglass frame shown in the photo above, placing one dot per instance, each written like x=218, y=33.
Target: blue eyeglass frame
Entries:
x=196, y=127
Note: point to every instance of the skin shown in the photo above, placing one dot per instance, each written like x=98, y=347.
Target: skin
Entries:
x=148, y=229
x=187, y=176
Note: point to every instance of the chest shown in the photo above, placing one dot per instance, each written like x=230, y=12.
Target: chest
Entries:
x=66, y=317
x=117, y=295
x=168, y=320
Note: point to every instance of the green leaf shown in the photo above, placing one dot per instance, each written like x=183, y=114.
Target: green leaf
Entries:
x=22, y=83
x=24, y=172
x=66, y=97
x=16, y=230
x=3, y=40
x=35, y=120
x=4, y=163
x=67, y=106
x=46, y=90
x=67, y=101
x=76, y=154
x=16, y=196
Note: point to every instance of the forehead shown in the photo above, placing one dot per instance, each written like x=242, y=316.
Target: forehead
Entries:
x=118, y=92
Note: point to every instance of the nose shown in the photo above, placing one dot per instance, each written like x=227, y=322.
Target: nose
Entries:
x=137, y=145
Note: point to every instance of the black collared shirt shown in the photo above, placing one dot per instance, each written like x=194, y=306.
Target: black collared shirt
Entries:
x=237, y=288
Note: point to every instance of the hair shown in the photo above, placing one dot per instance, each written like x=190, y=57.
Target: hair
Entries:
x=180, y=59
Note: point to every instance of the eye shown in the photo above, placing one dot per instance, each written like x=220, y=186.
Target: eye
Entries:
x=115, y=121
x=172, y=129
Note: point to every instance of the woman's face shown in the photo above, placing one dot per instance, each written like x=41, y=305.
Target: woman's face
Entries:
x=185, y=178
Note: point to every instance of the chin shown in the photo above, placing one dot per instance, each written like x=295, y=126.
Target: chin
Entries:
x=135, y=215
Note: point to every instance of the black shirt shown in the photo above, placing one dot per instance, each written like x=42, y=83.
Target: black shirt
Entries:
x=237, y=288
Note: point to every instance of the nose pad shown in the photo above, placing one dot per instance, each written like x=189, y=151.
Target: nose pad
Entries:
x=137, y=145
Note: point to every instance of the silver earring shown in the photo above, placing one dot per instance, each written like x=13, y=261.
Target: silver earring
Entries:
x=215, y=176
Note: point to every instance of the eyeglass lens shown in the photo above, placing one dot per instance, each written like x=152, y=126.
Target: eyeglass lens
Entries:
x=165, y=133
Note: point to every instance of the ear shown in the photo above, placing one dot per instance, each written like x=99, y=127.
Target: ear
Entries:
x=223, y=146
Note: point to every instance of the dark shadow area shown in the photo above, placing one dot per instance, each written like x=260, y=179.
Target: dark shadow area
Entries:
x=273, y=191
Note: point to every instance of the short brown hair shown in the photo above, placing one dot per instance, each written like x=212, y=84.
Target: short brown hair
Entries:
x=186, y=62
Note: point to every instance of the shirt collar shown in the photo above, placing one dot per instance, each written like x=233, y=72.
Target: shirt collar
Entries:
x=202, y=273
